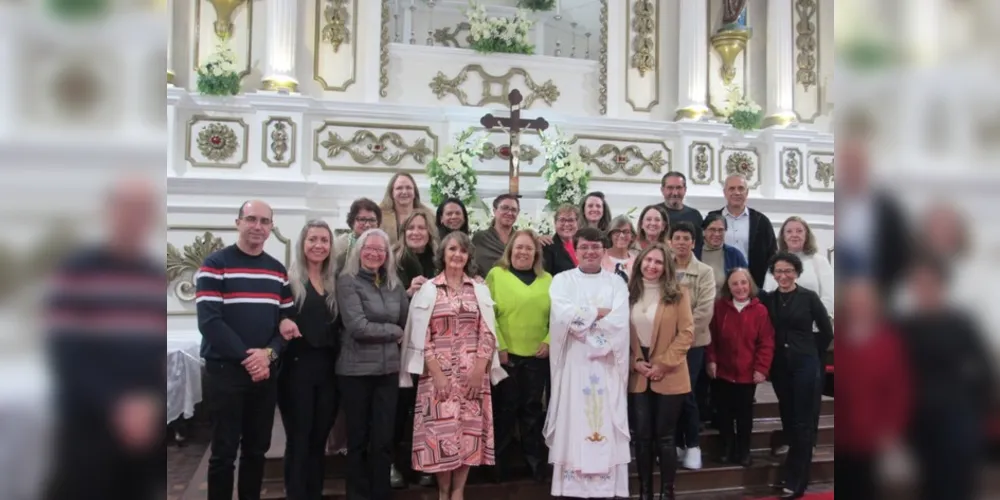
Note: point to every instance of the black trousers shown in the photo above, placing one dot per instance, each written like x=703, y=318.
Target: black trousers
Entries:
x=92, y=463
x=689, y=427
x=403, y=429
x=370, y=409
x=307, y=399
x=654, y=421
x=519, y=401
x=735, y=406
x=797, y=381
x=856, y=476
x=242, y=416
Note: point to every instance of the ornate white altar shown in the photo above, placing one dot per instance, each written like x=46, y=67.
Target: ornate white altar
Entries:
x=332, y=106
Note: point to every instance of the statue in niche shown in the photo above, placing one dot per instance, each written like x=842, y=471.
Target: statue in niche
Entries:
x=734, y=15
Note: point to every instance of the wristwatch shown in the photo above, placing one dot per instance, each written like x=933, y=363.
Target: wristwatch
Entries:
x=271, y=356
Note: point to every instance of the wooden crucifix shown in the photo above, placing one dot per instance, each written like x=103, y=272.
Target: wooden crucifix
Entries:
x=514, y=126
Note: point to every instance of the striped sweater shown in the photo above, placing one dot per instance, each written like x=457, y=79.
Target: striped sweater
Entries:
x=241, y=299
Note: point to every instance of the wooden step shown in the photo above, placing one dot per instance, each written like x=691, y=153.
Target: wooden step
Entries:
x=713, y=478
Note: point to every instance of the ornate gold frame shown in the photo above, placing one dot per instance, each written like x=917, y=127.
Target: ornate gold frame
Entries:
x=317, y=42
x=709, y=163
x=785, y=159
x=266, y=143
x=634, y=35
x=197, y=36
x=244, y=146
x=213, y=229
x=810, y=159
x=622, y=143
x=722, y=164
x=441, y=86
x=364, y=127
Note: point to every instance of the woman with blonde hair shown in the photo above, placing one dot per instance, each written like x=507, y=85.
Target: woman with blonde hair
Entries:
x=621, y=254
x=451, y=344
x=796, y=237
x=401, y=199
x=662, y=330
x=520, y=290
x=307, y=383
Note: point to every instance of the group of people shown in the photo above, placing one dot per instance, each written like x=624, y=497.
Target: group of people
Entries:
x=438, y=344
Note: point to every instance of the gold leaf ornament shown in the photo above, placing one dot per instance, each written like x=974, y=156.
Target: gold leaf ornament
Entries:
x=217, y=142
x=740, y=163
x=335, y=30
x=183, y=264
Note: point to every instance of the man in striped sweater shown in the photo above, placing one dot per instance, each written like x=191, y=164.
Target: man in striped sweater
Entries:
x=245, y=316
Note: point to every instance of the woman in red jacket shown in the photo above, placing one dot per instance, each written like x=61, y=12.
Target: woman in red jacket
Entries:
x=739, y=358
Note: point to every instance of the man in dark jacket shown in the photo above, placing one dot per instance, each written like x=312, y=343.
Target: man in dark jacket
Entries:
x=747, y=229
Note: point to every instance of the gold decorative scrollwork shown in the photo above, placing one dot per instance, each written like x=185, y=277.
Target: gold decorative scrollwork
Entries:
x=185, y=264
x=365, y=147
x=449, y=36
x=527, y=154
x=741, y=163
x=643, y=45
x=806, y=42
x=335, y=30
x=602, y=59
x=620, y=158
x=280, y=141
x=441, y=85
x=700, y=163
x=383, y=71
x=217, y=142
x=791, y=160
x=825, y=172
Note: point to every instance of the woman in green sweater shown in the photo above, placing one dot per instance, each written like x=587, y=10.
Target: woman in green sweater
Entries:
x=520, y=288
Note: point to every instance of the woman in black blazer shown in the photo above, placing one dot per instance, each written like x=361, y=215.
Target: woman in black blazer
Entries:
x=560, y=255
x=797, y=368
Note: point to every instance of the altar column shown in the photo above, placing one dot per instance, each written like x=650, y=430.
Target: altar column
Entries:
x=692, y=57
x=780, y=65
x=170, y=43
x=279, y=74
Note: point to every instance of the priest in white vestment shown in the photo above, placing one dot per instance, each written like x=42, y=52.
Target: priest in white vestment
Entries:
x=586, y=428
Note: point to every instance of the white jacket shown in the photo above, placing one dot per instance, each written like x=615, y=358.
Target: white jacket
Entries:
x=415, y=333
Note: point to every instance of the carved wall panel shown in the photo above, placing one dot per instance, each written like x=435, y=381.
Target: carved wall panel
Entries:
x=223, y=18
x=791, y=167
x=820, y=171
x=642, y=75
x=187, y=247
x=278, y=143
x=808, y=95
x=335, y=47
x=743, y=161
x=373, y=146
x=493, y=88
x=217, y=142
x=624, y=159
x=701, y=156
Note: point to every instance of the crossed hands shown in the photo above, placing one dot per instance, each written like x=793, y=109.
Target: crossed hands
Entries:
x=652, y=371
x=257, y=364
x=713, y=372
x=443, y=389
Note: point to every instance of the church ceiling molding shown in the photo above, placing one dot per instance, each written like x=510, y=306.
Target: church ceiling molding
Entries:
x=791, y=168
x=217, y=142
x=820, y=176
x=743, y=161
x=334, y=67
x=183, y=262
x=278, y=142
x=367, y=146
x=632, y=157
x=700, y=157
x=642, y=93
x=443, y=86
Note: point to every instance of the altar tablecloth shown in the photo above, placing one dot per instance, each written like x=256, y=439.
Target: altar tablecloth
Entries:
x=183, y=374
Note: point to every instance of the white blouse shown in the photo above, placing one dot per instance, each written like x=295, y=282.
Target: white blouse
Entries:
x=817, y=275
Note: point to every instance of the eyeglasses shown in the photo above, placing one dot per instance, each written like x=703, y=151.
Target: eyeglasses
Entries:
x=508, y=209
x=374, y=250
x=621, y=233
x=367, y=220
x=566, y=220
x=783, y=271
x=252, y=219
x=715, y=230
x=590, y=248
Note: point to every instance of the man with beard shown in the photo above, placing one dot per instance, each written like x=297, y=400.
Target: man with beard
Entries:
x=673, y=187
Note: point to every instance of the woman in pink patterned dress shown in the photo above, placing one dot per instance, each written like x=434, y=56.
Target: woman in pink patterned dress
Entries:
x=451, y=343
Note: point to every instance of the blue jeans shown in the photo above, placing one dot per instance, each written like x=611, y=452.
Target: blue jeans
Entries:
x=689, y=425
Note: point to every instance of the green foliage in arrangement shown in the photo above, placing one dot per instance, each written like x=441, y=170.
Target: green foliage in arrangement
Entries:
x=218, y=75
x=503, y=46
x=537, y=5
x=745, y=120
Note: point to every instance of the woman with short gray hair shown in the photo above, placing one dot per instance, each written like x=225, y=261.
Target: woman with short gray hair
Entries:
x=373, y=305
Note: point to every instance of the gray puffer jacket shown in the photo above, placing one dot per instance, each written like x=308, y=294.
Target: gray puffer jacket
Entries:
x=373, y=318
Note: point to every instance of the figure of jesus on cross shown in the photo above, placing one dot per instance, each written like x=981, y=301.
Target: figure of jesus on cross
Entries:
x=514, y=126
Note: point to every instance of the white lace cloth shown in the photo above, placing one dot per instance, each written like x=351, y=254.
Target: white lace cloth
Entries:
x=183, y=374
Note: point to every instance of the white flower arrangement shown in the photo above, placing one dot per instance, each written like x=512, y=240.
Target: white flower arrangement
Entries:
x=740, y=111
x=218, y=75
x=499, y=34
x=453, y=175
x=541, y=225
x=565, y=173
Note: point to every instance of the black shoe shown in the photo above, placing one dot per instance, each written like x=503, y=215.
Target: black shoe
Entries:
x=396, y=479
x=644, y=466
x=787, y=494
x=427, y=480
x=667, y=492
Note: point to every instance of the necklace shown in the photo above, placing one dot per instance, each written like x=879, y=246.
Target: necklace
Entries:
x=785, y=301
